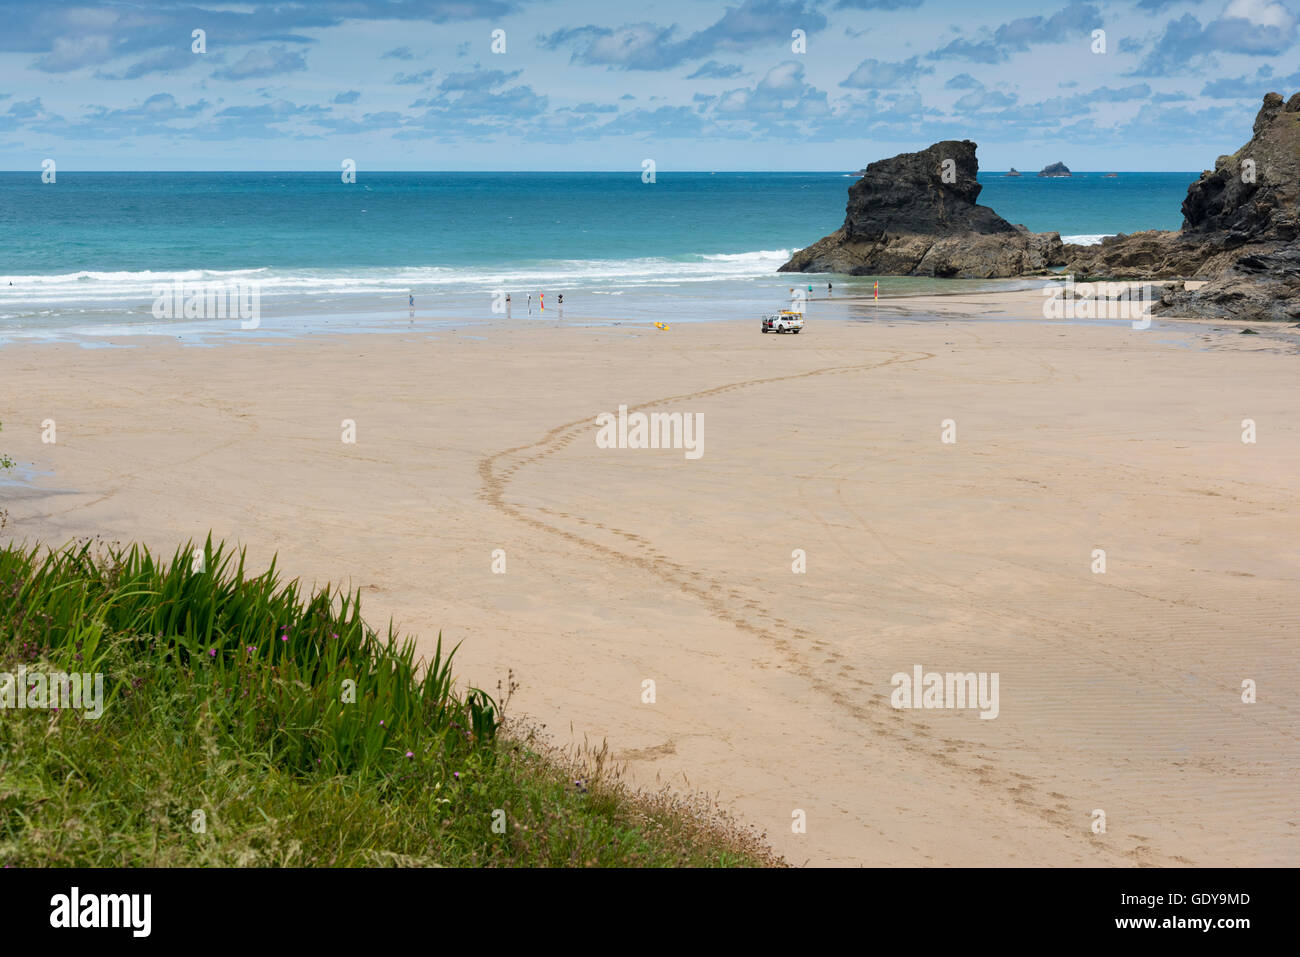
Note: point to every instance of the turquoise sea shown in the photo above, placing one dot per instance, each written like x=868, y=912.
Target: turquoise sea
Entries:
x=87, y=252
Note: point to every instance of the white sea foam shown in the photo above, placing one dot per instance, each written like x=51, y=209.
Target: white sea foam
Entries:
x=127, y=287
x=1086, y=239
x=761, y=258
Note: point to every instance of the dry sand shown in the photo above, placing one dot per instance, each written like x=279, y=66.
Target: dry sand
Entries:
x=1118, y=691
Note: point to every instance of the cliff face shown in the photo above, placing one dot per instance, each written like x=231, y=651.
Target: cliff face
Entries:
x=1240, y=227
x=916, y=215
x=1251, y=195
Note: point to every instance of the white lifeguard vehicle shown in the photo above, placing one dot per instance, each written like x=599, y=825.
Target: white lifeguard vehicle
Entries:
x=787, y=320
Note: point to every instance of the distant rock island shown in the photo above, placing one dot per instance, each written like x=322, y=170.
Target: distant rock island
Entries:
x=1056, y=169
x=1014, y=172
x=915, y=215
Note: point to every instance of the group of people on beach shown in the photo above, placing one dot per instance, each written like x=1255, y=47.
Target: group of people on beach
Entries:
x=830, y=288
x=541, y=299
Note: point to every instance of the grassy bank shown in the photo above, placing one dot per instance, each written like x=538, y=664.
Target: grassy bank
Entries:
x=249, y=722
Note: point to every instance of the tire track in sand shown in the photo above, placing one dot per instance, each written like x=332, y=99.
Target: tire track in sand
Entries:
x=497, y=469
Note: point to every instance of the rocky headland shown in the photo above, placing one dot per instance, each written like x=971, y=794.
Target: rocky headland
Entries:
x=916, y=214
x=1240, y=231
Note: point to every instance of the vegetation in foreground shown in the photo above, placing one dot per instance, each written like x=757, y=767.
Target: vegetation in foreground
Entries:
x=6, y=463
x=247, y=722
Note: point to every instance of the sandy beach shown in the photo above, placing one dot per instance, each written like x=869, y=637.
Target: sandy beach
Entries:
x=1120, y=691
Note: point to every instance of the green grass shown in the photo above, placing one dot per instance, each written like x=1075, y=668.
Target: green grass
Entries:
x=5, y=461
x=248, y=722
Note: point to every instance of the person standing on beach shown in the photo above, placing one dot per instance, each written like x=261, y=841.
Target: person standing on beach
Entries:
x=530, y=303
x=828, y=290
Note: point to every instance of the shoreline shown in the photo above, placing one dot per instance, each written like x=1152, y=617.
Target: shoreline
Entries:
x=714, y=299
x=773, y=688
x=305, y=325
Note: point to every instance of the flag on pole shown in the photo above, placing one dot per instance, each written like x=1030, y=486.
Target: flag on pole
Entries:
x=877, y=290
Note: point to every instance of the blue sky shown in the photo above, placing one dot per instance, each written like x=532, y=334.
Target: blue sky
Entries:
x=415, y=84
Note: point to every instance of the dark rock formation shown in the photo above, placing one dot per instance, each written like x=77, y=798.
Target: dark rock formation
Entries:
x=1263, y=287
x=916, y=215
x=1152, y=254
x=1056, y=169
x=1250, y=197
x=1240, y=227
